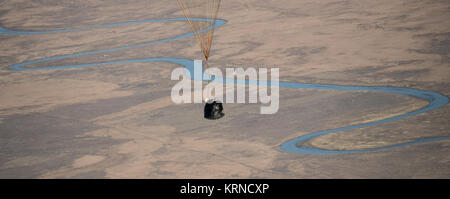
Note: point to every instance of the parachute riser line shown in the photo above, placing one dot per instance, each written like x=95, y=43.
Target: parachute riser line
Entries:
x=203, y=30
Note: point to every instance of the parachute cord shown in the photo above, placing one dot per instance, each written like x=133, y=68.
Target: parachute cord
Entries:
x=186, y=13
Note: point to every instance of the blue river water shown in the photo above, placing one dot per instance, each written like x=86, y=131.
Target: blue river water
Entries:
x=435, y=99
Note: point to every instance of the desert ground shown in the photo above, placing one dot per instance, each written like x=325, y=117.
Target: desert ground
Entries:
x=118, y=120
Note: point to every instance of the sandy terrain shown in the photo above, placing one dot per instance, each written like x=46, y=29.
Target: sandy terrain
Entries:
x=118, y=121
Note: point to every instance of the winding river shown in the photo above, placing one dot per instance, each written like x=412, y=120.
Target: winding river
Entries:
x=435, y=100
